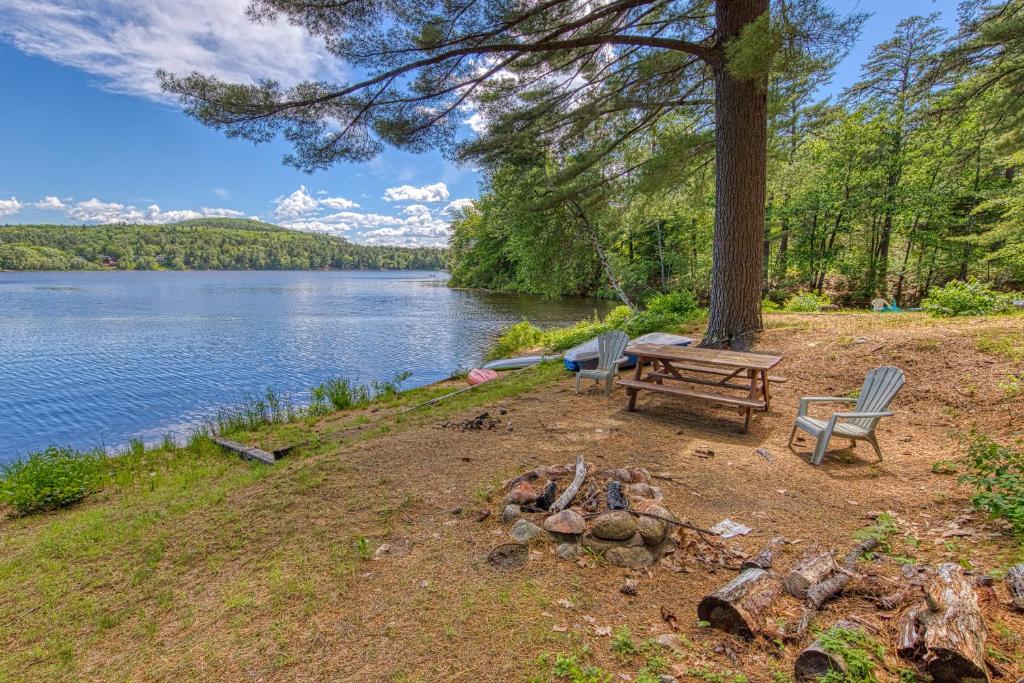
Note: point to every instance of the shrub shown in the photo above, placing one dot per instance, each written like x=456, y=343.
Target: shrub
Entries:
x=681, y=303
x=997, y=473
x=50, y=479
x=769, y=306
x=965, y=298
x=651, y=321
x=516, y=338
x=560, y=339
x=807, y=302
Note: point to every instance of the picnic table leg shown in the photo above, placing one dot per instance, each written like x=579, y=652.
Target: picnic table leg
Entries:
x=746, y=422
x=630, y=391
x=764, y=390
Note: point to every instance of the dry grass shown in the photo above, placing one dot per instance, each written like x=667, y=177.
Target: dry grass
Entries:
x=260, y=574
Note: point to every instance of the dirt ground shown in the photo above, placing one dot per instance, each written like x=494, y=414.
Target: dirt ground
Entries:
x=277, y=583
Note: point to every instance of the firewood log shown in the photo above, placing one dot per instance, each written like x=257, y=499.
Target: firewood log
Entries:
x=739, y=607
x=948, y=628
x=577, y=481
x=815, y=661
x=810, y=570
x=1015, y=584
x=764, y=558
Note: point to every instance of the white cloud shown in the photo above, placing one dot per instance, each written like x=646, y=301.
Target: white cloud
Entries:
x=337, y=202
x=301, y=203
x=96, y=211
x=416, y=210
x=477, y=123
x=9, y=206
x=438, y=192
x=298, y=203
x=125, y=41
x=457, y=205
x=93, y=210
x=50, y=204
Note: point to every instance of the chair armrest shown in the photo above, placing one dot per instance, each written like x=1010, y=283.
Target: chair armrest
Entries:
x=808, y=400
x=846, y=416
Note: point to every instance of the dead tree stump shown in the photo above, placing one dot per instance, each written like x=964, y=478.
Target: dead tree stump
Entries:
x=1015, y=584
x=947, y=628
x=815, y=661
x=812, y=569
x=739, y=606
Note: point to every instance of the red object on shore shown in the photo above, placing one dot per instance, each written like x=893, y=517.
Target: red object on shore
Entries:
x=481, y=375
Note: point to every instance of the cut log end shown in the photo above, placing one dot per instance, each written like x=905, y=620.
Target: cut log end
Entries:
x=739, y=607
x=724, y=616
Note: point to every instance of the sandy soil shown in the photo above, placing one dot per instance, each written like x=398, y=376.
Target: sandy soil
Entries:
x=269, y=587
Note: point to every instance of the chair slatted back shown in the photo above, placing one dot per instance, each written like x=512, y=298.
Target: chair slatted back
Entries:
x=610, y=346
x=880, y=387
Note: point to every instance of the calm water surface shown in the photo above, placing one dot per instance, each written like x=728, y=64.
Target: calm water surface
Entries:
x=100, y=358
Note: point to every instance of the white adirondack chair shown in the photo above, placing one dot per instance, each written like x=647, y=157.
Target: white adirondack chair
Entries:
x=880, y=387
x=610, y=346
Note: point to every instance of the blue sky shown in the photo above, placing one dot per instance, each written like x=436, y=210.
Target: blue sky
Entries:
x=86, y=136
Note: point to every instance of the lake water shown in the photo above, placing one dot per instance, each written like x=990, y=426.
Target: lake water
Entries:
x=92, y=359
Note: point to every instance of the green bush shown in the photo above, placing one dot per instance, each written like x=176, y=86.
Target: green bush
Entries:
x=516, y=338
x=560, y=339
x=50, y=479
x=965, y=298
x=651, y=321
x=807, y=302
x=997, y=473
x=769, y=306
x=681, y=303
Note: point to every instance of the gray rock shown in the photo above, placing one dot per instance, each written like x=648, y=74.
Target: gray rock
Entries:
x=654, y=530
x=599, y=545
x=616, y=525
x=524, y=531
x=565, y=522
x=510, y=513
x=670, y=641
x=568, y=551
x=629, y=557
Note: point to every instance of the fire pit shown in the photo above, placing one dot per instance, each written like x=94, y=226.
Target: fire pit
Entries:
x=615, y=514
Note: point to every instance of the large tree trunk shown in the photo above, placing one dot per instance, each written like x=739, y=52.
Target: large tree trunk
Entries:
x=740, y=158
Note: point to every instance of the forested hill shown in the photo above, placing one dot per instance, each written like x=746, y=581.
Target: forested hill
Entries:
x=201, y=244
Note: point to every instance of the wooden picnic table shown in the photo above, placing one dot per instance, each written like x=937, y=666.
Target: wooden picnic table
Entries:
x=745, y=374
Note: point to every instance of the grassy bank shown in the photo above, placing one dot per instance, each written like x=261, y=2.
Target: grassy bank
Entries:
x=70, y=578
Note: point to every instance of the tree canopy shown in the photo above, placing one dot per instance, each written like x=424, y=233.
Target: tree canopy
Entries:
x=201, y=244
x=907, y=180
x=577, y=82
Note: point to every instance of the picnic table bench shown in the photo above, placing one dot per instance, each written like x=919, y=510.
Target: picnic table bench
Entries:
x=722, y=370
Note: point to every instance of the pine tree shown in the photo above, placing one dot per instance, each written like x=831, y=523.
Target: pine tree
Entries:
x=583, y=77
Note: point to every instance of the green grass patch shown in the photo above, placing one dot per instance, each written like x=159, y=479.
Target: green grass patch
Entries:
x=1008, y=345
x=862, y=654
x=50, y=479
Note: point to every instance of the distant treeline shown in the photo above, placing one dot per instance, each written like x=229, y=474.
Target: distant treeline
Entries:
x=202, y=244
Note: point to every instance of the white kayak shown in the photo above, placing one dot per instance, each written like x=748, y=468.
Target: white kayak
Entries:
x=518, y=362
